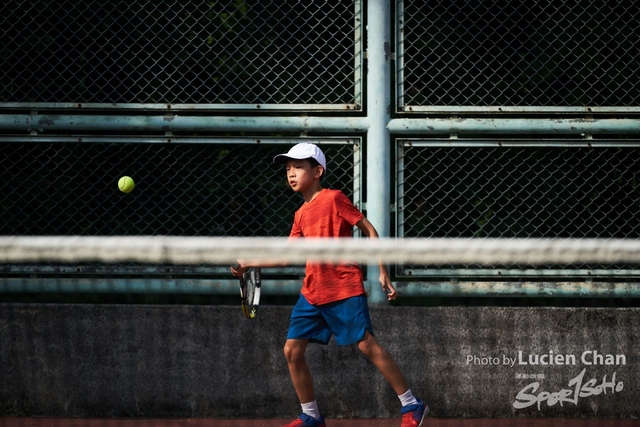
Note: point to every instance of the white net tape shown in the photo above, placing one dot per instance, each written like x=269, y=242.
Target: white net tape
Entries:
x=225, y=250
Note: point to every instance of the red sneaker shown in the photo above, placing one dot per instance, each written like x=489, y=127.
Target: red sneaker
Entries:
x=305, y=420
x=413, y=415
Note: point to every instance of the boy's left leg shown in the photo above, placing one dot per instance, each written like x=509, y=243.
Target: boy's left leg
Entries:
x=350, y=323
x=413, y=410
x=384, y=362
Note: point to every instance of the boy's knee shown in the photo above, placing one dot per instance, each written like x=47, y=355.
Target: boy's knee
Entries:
x=369, y=345
x=366, y=346
x=293, y=352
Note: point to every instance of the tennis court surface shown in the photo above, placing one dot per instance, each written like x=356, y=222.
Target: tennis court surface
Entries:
x=389, y=422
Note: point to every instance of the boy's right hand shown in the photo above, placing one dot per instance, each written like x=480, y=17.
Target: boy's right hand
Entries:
x=238, y=269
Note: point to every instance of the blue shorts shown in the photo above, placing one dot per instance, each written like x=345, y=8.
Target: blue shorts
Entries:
x=346, y=319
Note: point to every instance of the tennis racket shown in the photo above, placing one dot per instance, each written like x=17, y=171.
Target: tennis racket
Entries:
x=250, y=292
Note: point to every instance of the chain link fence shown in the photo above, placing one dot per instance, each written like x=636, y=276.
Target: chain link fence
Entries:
x=523, y=189
x=207, y=54
x=212, y=188
x=530, y=55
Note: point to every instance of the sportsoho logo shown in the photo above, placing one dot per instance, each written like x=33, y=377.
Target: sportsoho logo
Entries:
x=577, y=387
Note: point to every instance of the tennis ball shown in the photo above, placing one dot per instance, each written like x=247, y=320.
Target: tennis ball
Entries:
x=125, y=184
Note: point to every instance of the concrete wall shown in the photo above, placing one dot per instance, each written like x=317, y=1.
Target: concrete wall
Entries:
x=199, y=361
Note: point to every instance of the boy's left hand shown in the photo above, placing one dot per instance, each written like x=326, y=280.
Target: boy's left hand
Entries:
x=388, y=288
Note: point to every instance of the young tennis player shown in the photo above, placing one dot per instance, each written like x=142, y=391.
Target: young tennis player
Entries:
x=333, y=299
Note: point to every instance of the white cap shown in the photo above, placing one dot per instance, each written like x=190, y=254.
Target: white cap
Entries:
x=303, y=151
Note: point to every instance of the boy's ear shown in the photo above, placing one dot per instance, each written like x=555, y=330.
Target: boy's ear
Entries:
x=319, y=170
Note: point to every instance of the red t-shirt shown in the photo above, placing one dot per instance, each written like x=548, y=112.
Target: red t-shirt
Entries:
x=331, y=215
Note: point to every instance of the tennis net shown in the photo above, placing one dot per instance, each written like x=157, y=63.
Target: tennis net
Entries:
x=225, y=250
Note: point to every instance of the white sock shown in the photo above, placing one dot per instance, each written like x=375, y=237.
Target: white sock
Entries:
x=311, y=409
x=408, y=398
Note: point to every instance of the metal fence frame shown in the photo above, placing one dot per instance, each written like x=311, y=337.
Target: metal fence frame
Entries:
x=404, y=107
x=505, y=272
x=241, y=108
x=197, y=279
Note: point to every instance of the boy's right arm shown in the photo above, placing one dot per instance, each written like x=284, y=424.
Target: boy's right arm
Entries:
x=242, y=265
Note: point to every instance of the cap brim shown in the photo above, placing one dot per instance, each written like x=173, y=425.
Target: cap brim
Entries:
x=282, y=158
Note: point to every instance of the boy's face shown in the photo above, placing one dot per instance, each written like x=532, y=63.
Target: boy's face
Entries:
x=301, y=175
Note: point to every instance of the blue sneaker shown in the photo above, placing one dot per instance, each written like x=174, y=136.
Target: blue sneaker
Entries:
x=413, y=415
x=305, y=420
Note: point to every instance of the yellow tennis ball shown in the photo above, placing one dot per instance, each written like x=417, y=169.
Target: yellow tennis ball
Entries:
x=125, y=184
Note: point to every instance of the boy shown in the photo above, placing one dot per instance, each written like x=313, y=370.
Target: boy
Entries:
x=333, y=299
